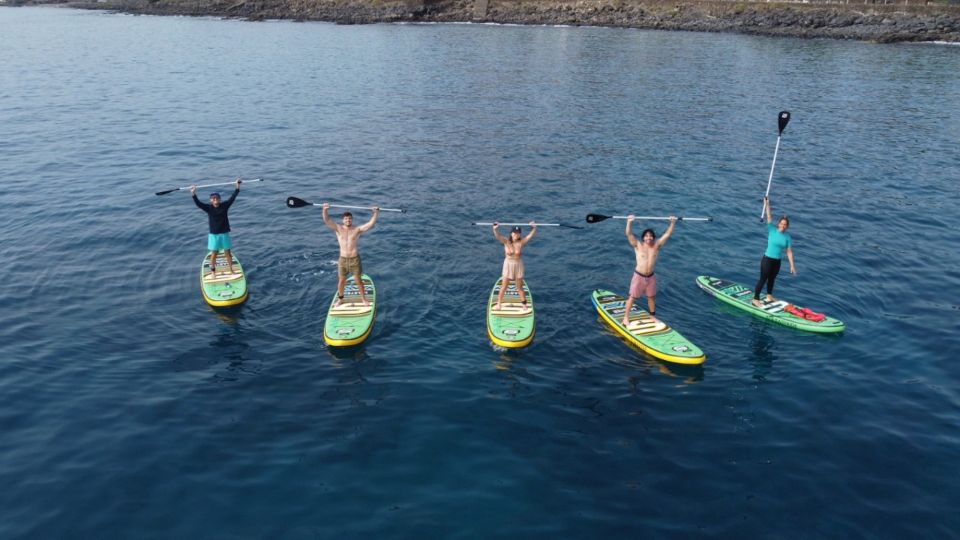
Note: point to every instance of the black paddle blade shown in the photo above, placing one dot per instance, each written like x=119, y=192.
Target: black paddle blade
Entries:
x=294, y=202
x=783, y=120
x=167, y=191
x=596, y=218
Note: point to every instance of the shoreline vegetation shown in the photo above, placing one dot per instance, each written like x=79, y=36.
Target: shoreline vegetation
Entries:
x=864, y=20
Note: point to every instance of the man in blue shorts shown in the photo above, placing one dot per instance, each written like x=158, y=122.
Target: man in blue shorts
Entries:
x=219, y=237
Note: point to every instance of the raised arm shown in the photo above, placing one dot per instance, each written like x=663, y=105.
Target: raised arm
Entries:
x=196, y=201
x=666, y=236
x=227, y=203
x=533, y=231
x=373, y=221
x=497, y=235
x=630, y=237
x=766, y=208
x=326, y=217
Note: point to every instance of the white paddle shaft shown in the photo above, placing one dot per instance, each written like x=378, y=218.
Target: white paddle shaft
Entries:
x=224, y=183
x=359, y=207
x=521, y=224
x=770, y=179
x=665, y=218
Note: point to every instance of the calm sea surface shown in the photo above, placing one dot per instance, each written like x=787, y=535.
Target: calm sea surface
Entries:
x=130, y=409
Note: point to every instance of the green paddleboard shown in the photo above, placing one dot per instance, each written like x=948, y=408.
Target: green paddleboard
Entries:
x=741, y=296
x=655, y=337
x=224, y=288
x=351, y=322
x=513, y=325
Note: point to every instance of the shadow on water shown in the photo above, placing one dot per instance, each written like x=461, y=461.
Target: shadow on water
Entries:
x=691, y=374
x=227, y=346
x=343, y=356
x=762, y=344
x=229, y=315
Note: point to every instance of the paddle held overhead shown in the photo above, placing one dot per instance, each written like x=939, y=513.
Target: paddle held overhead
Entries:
x=505, y=224
x=782, y=120
x=596, y=218
x=187, y=188
x=295, y=202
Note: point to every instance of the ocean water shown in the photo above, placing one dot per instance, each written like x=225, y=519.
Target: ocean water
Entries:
x=133, y=410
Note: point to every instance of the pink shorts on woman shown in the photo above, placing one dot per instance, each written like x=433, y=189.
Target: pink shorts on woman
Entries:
x=643, y=285
x=512, y=268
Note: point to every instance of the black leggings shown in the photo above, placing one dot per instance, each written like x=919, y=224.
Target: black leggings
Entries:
x=769, y=268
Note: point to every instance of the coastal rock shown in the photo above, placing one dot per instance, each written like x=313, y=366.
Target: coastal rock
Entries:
x=870, y=22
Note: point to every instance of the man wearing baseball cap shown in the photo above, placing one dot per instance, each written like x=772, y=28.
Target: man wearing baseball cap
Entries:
x=219, y=237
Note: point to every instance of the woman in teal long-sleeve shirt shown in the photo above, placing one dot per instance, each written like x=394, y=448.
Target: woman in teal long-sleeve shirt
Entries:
x=778, y=242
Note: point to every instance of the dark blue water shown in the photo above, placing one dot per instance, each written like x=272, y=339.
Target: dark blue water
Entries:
x=131, y=409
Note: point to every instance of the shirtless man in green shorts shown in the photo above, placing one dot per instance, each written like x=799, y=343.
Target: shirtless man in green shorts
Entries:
x=349, y=238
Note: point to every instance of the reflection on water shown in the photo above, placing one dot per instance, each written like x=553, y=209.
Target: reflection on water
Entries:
x=763, y=346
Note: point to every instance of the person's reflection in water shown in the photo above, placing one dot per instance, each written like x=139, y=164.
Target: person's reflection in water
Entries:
x=762, y=344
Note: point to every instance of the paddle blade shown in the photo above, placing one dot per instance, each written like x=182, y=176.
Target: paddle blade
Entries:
x=167, y=191
x=596, y=218
x=294, y=202
x=783, y=120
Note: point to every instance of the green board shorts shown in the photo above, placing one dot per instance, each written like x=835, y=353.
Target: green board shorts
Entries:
x=350, y=266
x=216, y=242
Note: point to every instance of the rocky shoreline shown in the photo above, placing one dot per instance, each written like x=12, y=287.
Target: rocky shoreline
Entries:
x=863, y=21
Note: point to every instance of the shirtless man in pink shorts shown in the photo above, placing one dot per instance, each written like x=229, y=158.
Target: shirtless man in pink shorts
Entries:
x=644, y=282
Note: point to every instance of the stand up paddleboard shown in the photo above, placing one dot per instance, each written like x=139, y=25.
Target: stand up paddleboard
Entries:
x=778, y=311
x=654, y=337
x=351, y=322
x=512, y=326
x=225, y=288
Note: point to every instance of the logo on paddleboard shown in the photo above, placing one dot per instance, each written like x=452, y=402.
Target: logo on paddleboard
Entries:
x=344, y=331
x=510, y=332
x=680, y=348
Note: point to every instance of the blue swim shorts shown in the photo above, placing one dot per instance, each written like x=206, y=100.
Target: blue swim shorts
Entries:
x=216, y=242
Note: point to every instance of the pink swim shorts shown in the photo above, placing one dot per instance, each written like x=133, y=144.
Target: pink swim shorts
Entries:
x=643, y=285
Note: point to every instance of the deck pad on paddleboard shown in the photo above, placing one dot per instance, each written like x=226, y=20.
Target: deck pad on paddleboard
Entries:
x=512, y=325
x=655, y=337
x=741, y=296
x=351, y=322
x=224, y=288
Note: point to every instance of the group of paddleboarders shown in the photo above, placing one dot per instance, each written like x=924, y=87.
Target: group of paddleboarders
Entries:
x=643, y=281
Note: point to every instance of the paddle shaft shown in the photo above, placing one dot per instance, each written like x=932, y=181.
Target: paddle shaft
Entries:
x=664, y=218
x=522, y=224
x=359, y=207
x=209, y=185
x=770, y=179
x=783, y=118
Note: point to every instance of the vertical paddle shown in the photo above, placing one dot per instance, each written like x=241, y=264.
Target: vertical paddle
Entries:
x=782, y=120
